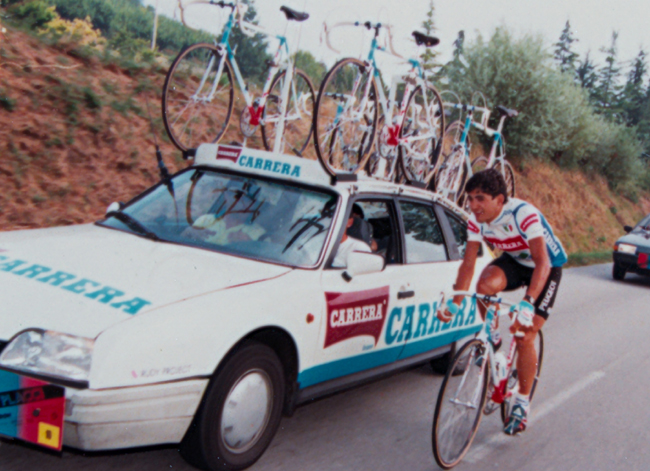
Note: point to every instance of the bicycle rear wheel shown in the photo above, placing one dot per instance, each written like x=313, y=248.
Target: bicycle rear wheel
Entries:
x=509, y=175
x=345, y=123
x=422, y=126
x=298, y=117
x=197, y=100
x=513, y=380
x=451, y=174
x=460, y=403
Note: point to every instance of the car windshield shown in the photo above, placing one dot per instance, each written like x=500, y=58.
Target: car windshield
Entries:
x=234, y=214
x=645, y=223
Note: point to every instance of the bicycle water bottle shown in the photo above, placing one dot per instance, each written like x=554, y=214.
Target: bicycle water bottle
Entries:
x=500, y=366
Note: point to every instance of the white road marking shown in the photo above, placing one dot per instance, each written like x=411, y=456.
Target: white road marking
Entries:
x=480, y=452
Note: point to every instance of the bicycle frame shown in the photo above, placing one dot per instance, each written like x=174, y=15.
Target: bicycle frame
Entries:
x=280, y=62
x=413, y=79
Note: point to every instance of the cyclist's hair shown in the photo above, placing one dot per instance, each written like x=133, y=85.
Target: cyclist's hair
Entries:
x=489, y=181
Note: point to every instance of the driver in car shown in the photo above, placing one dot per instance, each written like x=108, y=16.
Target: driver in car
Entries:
x=348, y=243
x=226, y=229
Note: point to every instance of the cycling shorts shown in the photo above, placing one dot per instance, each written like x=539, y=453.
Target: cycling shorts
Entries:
x=518, y=275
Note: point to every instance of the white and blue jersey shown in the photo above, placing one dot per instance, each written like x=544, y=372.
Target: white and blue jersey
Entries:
x=518, y=223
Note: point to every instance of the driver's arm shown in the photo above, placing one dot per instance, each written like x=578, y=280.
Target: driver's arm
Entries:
x=542, y=269
x=466, y=269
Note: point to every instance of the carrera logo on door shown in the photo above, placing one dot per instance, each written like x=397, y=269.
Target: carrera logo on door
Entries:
x=228, y=153
x=354, y=314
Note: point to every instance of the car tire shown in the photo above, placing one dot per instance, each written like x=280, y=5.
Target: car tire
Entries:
x=618, y=272
x=441, y=364
x=240, y=411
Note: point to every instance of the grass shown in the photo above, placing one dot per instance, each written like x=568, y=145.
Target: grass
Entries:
x=581, y=259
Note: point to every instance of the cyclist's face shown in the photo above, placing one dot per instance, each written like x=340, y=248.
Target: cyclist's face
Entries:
x=485, y=207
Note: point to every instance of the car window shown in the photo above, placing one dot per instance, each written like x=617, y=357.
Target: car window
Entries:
x=379, y=219
x=422, y=233
x=459, y=229
x=240, y=215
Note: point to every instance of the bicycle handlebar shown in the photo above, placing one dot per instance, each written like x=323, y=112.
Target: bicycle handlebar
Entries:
x=239, y=8
x=369, y=26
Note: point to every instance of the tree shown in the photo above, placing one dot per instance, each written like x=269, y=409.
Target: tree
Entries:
x=586, y=74
x=634, y=92
x=564, y=53
x=306, y=62
x=607, y=92
x=459, y=43
x=429, y=56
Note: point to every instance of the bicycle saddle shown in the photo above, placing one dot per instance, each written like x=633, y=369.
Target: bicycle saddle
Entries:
x=508, y=112
x=428, y=41
x=293, y=14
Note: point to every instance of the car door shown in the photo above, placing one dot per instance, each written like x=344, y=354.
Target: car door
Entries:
x=432, y=261
x=356, y=333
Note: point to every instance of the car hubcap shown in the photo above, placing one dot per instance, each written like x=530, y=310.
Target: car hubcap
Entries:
x=246, y=411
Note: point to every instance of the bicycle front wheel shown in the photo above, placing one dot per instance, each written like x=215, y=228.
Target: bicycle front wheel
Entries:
x=198, y=96
x=421, y=135
x=345, y=118
x=508, y=174
x=298, y=116
x=460, y=405
x=513, y=378
x=451, y=174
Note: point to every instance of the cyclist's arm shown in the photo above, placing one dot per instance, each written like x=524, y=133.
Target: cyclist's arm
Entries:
x=542, y=269
x=466, y=269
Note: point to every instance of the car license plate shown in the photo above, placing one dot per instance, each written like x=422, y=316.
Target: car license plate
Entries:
x=31, y=410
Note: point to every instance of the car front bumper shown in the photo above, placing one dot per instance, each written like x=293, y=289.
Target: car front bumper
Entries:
x=130, y=417
x=630, y=263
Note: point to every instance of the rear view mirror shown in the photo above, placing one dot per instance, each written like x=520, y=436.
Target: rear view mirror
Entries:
x=114, y=207
x=628, y=228
x=362, y=263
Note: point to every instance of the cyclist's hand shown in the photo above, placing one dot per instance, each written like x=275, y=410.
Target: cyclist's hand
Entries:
x=524, y=312
x=449, y=312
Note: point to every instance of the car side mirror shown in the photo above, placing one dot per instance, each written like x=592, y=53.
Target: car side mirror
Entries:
x=362, y=263
x=114, y=206
x=628, y=229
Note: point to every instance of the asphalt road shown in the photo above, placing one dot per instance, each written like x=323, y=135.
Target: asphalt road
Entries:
x=590, y=409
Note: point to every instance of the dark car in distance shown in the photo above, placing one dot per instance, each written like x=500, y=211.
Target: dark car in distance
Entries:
x=631, y=251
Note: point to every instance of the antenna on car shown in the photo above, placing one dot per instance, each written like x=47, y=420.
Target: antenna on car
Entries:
x=164, y=173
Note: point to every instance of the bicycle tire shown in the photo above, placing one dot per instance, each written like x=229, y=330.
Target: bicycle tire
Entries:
x=452, y=170
x=298, y=116
x=194, y=115
x=419, y=162
x=512, y=377
x=342, y=143
x=451, y=436
x=509, y=175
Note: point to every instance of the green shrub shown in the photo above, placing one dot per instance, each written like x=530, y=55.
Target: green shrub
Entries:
x=92, y=100
x=35, y=14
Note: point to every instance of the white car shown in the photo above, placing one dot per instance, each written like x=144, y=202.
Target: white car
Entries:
x=207, y=307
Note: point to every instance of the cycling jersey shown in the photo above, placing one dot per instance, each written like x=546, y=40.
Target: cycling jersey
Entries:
x=518, y=223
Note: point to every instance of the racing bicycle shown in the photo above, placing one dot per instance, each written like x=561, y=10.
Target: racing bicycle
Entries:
x=455, y=167
x=198, y=94
x=478, y=381
x=347, y=115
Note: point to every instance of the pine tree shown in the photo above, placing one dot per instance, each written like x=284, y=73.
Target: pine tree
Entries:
x=429, y=56
x=251, y=53
x=635, y=93
x=564, y=54
x=607, y=92
x=459, y=43
x=586, y=74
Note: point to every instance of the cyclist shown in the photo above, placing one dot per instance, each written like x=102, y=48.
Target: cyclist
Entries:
x=532, y=257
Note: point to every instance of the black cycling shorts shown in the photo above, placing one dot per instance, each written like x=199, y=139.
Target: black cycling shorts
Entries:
x=518, y=275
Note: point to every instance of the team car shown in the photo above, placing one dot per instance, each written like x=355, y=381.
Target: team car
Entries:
x=207, y=307
x=631, y=251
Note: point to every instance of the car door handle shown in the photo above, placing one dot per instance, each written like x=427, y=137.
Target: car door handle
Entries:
x=405, y=294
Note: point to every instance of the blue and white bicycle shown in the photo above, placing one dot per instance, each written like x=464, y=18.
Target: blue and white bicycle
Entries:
x=199, y=95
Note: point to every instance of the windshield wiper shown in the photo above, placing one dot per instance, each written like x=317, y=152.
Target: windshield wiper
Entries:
x=133, y=224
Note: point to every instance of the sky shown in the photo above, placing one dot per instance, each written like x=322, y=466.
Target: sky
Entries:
x=591, y=20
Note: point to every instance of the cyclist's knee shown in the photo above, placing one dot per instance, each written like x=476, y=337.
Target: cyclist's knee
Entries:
x=492, y=281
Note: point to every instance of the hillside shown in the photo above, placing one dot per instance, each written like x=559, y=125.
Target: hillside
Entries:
x=75, y=136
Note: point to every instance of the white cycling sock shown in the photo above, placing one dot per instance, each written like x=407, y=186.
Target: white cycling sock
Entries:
x=522, y=399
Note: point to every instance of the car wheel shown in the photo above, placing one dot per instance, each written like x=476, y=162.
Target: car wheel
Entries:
x=618, y=272
x=240, y=412
x=441, y=364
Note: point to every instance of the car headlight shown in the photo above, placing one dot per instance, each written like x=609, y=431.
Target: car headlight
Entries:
x=49, y=353
x=626, y=248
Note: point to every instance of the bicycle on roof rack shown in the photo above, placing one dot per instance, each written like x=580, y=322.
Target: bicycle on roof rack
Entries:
x=347, y=114
x=198, y=94
x=455, y=166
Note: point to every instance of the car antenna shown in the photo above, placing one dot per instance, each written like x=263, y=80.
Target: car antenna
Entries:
x=164, y=173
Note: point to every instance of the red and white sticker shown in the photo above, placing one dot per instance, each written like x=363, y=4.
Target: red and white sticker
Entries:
x=512, y=244
x=355, y=314
x=228, y=153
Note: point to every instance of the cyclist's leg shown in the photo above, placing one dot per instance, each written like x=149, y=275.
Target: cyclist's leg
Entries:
x=527, y=357
x=502, y=274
